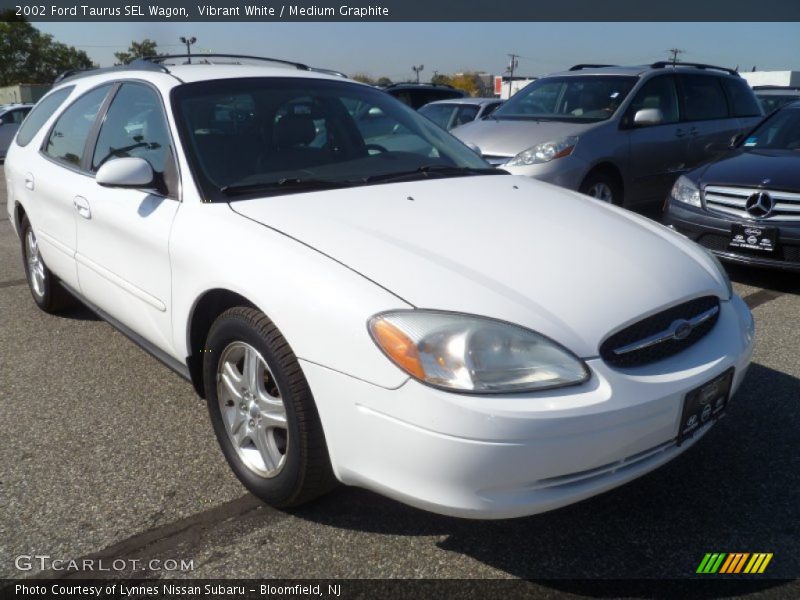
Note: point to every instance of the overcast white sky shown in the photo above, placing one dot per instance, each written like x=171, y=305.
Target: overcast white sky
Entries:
x=392, y=48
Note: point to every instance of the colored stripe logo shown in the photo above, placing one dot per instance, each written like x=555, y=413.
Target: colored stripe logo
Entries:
x=734, y=563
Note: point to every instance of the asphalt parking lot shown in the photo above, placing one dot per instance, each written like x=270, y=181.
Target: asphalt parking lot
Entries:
x=107, y=453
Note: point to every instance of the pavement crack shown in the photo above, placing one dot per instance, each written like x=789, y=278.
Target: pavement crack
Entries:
x=761, y=297
x=12, y=283
x=163, y=541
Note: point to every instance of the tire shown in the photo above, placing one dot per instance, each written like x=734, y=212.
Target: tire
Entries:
x=603, y=187
x=44, y=286
x=267, y=424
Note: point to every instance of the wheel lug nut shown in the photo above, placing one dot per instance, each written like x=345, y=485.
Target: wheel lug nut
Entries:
x=252, y=423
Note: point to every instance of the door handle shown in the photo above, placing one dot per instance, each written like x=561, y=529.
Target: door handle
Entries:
x=82, y=206
x=679, y=132
x=693, y=131
x=29, y=181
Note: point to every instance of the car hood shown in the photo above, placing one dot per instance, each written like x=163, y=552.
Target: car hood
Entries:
x=773, y=169
x=509, y=138
x=507, y=247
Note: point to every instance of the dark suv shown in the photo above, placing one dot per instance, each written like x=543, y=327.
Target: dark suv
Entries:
x=417, y=95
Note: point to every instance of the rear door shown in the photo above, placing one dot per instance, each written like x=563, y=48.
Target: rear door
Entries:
x=57, y=180
x=657, y=152
x=123, y=241
x=708, y=125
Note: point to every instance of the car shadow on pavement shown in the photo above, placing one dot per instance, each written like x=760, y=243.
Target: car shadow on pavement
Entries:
x=768, y=279
x=737, y=490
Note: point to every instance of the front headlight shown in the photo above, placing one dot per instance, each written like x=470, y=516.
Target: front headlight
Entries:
x=542, y=153
x=466, y=353
x=685, y=190
x=722, y=273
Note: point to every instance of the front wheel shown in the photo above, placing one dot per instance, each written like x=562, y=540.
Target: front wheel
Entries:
x=263, y=412
x=603, y=187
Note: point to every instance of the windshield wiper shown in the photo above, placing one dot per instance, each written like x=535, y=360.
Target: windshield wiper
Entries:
x=432, y=170
x=283, y=185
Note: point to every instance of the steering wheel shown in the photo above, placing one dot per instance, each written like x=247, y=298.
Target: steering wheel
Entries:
x=377, y=147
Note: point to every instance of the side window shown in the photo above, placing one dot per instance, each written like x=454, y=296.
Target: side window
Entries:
x=134, y=126
x=15, y=116
x=465, y=114
x=490, y=108
x=68, y=137
x=703, y=98
x=40, y=113
x=659, y=93
x=743, y=102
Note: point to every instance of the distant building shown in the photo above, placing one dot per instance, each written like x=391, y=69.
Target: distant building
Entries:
x=781, y=78
x=23, y=93
x=505, y=87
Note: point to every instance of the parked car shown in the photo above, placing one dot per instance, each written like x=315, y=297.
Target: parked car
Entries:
x=11, y=116
x=620, y=134
x=417, y=95
x=448, y=114
x=745, y=207
x=416, y=323
x=773, y=97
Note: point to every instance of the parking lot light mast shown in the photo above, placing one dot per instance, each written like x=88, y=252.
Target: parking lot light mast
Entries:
x=417, y=70
x=188, y=41
x=513, y=63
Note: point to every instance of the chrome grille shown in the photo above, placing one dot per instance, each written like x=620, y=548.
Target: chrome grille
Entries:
x=732, y=201
x=661, y=335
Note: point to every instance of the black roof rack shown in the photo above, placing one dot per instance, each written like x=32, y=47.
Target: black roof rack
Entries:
x=131, y=66
x=421, y=83
x=777, y=87
x=588, y=66
x=668, y=63
x=201, y=58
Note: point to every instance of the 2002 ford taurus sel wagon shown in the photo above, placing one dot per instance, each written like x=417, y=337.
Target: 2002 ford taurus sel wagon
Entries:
x=383, y=311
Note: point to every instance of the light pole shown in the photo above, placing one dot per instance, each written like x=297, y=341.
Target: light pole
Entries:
x=188, y=41
x=417, y=70
x=512, y=64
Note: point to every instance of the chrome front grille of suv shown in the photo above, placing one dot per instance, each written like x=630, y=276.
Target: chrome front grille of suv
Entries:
x=745, y=203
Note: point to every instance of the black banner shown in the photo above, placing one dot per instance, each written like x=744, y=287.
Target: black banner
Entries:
x=379, y=589
x=407, y=10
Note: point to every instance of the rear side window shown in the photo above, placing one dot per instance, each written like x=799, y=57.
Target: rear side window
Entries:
x=743, y=102
x=465, y=114
x=15, y=116
x=703, y=98
x=40, y=113
x=68, y=136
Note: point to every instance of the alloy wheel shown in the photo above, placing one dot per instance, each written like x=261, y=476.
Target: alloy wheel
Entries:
x=252, y=409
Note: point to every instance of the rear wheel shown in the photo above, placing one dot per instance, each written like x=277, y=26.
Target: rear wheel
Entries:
x=44, y=286
x=604, y=187
x=263, y=412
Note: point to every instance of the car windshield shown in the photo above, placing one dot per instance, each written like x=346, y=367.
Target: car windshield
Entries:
x=771, y=102
x=573, y=98
x=265, y=136
x=779, y=132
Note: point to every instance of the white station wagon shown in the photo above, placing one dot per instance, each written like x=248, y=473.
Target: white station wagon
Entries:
x=383, y=311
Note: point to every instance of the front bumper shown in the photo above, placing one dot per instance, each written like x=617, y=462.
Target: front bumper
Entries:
x=713, y=231
x=520, y=454
x=568, y=172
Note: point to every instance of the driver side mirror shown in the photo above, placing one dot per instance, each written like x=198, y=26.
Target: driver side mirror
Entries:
x=129, y=172
x=475, y=148
x=2, y=122
x=647, y=117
